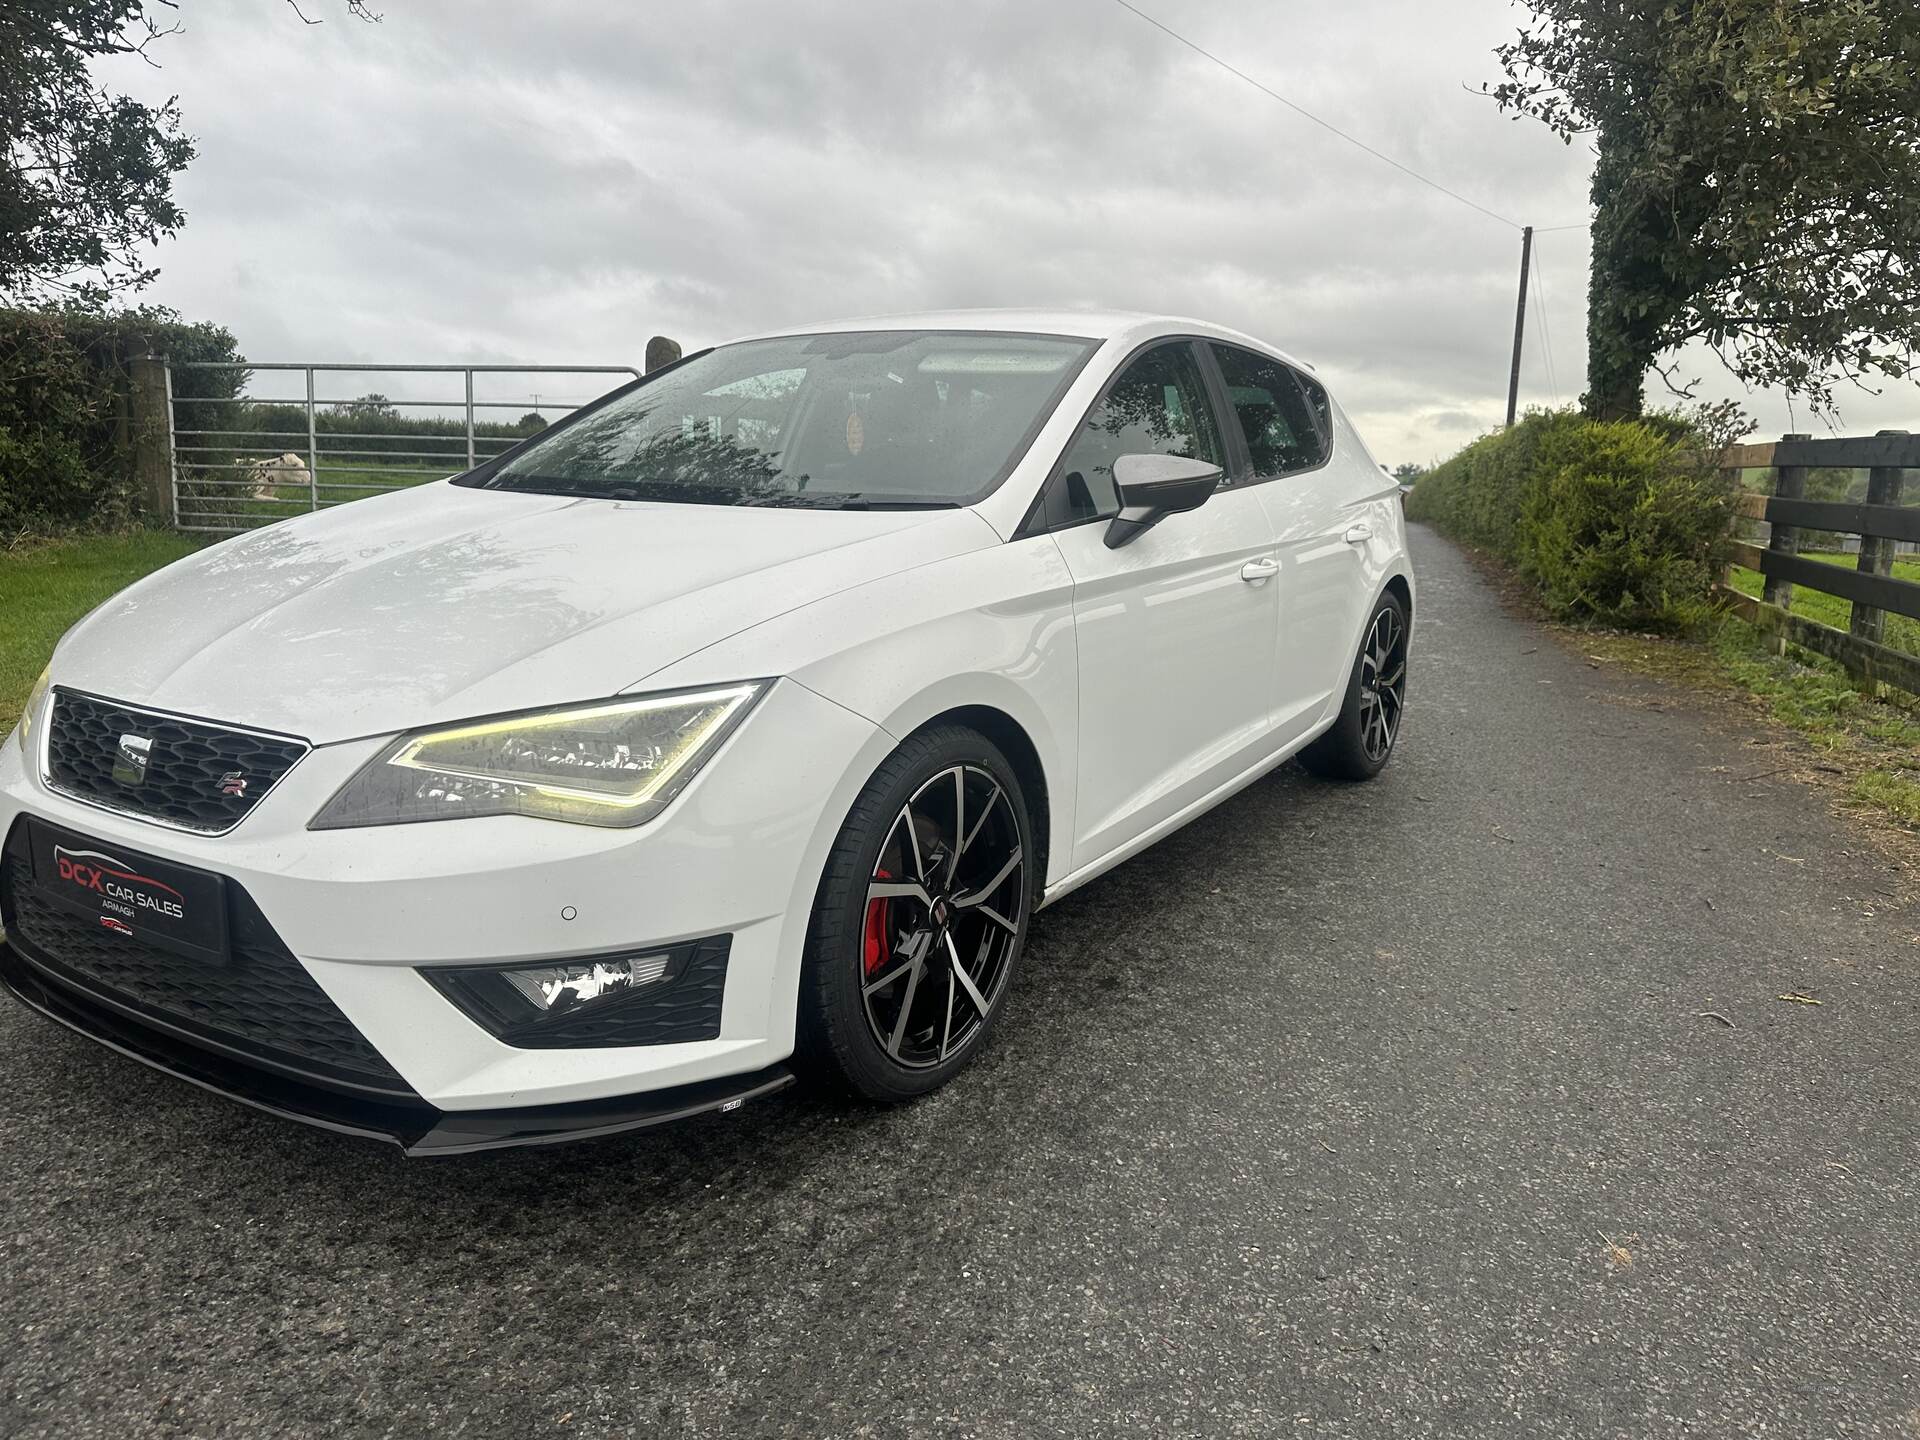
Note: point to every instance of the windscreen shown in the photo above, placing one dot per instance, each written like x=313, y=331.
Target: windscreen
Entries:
x=870, y=420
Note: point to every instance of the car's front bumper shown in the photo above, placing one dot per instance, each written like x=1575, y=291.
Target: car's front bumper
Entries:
x=738, y=854
x=416, y=1127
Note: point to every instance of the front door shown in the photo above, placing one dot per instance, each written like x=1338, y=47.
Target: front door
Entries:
x=1177, y=630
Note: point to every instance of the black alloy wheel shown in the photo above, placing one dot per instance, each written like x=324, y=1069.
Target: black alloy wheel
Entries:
x=1383, y=683
x=1362, y=737
x=911, y=953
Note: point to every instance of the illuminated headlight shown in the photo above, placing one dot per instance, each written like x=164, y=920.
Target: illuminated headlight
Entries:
x=616, y=762
x=36, y=697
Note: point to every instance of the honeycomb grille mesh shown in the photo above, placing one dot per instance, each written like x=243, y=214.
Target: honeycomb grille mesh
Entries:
x=261, y=1000
x=193, y=769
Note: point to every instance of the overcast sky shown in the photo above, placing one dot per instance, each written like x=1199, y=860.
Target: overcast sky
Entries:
x=554, y=182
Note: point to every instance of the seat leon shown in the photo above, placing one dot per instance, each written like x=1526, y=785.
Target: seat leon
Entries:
x=742, y=719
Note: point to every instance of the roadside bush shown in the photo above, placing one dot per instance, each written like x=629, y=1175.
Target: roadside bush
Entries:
x=65, y=456
x=1613, y=521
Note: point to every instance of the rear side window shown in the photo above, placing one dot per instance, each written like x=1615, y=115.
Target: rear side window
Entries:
x=1276, y=412
x=1317, y=398
x=1156, y=406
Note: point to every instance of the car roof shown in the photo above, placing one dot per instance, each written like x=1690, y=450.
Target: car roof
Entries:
x=1127, y=328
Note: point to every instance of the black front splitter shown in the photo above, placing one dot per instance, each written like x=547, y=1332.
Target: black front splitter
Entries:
x=417, y=1128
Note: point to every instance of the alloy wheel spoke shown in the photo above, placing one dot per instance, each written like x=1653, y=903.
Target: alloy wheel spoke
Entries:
x=991, y=888
x=997, y=918
x=986, y=813
x=946, y=1031
x=959, y=821
x=906, y=1007
x=913, y=841
x=914, y=951
x=966, y=980
x=899, y=890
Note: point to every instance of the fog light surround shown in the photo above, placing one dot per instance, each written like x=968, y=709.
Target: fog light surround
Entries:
x=661, y=994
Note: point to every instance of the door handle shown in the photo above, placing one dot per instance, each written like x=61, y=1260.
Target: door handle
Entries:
x=1254, y=571
x=1358, y=533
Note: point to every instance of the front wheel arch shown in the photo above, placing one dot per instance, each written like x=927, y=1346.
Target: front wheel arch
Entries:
x=1014, y=742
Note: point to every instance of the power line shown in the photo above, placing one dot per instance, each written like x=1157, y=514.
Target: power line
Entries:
x=1323, y=124
x=1550, y=229
x=1546, y=333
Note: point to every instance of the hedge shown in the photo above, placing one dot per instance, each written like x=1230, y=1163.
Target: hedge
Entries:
x=64, y=442
x=1616, y=521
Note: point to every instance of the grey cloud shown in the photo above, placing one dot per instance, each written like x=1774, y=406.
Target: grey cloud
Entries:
x=504, y=181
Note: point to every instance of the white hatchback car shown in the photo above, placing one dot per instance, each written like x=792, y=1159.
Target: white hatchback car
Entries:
x=752, y=709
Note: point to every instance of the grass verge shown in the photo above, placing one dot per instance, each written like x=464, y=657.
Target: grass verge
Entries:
x=46, y=585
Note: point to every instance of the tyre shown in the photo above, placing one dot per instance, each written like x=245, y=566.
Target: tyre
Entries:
x=1361, y=740
x=920, y=918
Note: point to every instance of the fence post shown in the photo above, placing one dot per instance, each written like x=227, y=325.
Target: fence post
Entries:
x=1789, y=483
x=313, y=450
x=152, y=462
x=1876, y=556
x=661, y=352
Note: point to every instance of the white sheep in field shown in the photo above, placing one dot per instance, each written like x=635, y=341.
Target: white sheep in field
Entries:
x=264, y=475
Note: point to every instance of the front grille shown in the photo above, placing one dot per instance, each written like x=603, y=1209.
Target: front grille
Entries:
x=197, y=777
x=260, y=1001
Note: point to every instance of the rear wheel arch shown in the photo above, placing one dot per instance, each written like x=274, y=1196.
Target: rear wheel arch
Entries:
x=1398, y=585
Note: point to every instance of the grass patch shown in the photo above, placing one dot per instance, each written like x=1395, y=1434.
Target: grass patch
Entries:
x=1896, y=794
x=1901, y=633
x=47, y=585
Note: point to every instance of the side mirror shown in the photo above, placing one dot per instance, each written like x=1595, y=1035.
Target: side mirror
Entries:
x=1153, y=487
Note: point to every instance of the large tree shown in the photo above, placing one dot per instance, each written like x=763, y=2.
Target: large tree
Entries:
x=1757, y=185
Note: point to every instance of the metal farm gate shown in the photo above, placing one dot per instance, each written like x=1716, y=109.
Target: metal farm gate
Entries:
x=237, y=460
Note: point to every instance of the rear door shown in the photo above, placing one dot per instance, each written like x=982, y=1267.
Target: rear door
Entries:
x=1177, y=630
x=1320, y=527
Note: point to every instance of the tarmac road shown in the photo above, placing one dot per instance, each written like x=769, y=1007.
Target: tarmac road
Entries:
x=1324, y=1117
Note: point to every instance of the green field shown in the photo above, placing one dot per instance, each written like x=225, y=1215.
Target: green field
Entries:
x=47, y=585
x=1901, y=633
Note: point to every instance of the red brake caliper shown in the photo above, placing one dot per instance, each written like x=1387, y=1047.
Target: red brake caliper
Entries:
x=877, y=944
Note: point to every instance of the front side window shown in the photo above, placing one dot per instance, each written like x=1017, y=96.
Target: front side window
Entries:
x=877, y=419
x=1282, y=434
x=1156, y=406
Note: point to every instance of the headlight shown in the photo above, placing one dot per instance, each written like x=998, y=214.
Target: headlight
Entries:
x=36, y=697
x=617, y=762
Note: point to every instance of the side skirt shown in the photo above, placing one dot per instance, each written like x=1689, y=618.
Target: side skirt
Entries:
x=1066, y=885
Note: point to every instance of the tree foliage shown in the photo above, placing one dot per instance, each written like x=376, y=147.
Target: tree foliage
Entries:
x=1757, y=184
x=86, y=176
x=65, y=408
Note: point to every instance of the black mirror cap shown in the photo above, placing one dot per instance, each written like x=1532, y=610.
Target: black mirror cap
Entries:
x=1153, y=487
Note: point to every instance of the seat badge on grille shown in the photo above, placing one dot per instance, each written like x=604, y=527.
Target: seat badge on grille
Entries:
x=234, y=783
x=130, y=759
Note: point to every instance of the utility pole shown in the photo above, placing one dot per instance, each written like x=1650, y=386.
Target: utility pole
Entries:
x=1520, y=325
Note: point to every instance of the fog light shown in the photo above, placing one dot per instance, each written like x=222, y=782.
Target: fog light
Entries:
x=552, y=989
x=630, y=997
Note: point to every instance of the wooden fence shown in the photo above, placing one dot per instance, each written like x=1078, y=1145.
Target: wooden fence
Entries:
x=1881, y=523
